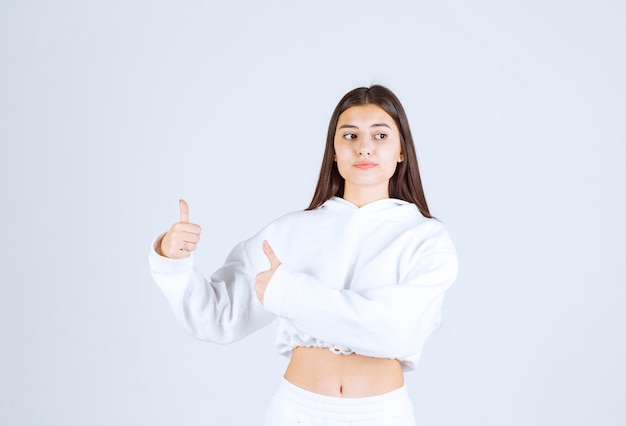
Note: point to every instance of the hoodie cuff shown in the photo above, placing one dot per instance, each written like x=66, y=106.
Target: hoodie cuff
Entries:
x=164, y=264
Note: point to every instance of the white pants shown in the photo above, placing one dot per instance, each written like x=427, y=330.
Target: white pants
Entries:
x=292, y=405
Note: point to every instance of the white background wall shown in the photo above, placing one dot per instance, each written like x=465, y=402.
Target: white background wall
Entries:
x=111, y=111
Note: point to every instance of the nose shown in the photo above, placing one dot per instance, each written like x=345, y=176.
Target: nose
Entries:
x=364, y=148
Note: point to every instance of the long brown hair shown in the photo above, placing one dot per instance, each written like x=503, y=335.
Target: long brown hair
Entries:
x=405, y=184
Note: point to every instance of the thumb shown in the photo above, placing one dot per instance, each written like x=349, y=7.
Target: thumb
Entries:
x=269, y=252
x=184, y=211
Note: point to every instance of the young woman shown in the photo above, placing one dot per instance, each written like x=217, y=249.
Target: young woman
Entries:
x=356, y=280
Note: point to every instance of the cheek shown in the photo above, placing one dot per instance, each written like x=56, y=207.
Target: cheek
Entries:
x=342, y=163
x=340, y=154
x=341, y=166
x=391, y=160
x=390, y=168
x=337, y=153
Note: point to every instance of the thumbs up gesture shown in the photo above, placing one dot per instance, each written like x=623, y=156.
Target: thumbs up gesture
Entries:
x=263, y=278
x=182, y=238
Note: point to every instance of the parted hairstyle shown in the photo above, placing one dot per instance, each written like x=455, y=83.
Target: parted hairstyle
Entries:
x=405, y=184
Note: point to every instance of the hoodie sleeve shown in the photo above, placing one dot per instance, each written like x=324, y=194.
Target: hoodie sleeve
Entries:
x=390, y=321
x=220, y=309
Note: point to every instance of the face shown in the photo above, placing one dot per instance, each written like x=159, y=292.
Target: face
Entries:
x=367, y=149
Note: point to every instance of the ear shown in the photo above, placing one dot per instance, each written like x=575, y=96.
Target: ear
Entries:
x=335, y=158
x=401, y=158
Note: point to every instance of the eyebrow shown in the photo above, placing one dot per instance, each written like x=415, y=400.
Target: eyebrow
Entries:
x=352, y=126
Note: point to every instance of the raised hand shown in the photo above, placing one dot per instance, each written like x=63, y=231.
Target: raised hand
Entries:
x=182, y=238
x=263, y=278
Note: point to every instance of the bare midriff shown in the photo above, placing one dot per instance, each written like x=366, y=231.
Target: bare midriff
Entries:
x=351, y=376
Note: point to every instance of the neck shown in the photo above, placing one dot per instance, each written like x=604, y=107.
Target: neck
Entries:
x=362, y=196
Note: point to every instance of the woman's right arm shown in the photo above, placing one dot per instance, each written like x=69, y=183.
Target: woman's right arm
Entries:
x=222, y=308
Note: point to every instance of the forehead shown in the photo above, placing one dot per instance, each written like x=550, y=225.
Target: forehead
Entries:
x=365, y=116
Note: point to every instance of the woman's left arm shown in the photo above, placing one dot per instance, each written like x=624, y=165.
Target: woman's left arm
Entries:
x=390, y=321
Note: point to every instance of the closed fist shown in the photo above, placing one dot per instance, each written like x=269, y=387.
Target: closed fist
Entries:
x=182, y=238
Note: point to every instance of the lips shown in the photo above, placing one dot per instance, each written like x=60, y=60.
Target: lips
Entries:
x=364, y=164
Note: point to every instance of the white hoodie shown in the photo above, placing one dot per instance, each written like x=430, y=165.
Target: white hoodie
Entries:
x=367, y=280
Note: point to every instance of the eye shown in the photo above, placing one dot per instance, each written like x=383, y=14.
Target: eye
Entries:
x=349, y=136
x=380, y=136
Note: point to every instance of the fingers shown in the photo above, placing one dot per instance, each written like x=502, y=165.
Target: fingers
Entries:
x=269, y=252
x=181, y=233
x=261, y=282
x=177, y=244
x=184, y=211
x=188, y=247
x=263, y=278
x=186, y=232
